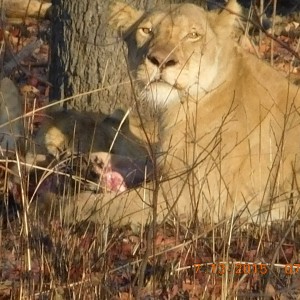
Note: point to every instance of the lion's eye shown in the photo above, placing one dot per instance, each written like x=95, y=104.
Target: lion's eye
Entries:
x=146, y=30
x=193, y=35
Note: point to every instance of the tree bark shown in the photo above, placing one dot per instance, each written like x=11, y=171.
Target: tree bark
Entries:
x=85, y=56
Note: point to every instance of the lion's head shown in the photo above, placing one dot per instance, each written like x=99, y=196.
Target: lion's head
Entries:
x=178, y=49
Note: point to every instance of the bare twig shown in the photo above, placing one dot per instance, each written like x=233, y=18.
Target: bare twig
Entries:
x=273, y=30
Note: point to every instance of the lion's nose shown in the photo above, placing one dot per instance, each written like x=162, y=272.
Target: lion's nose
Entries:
x=162, y=59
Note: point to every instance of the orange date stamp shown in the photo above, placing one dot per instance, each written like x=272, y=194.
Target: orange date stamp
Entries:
x=243, y=268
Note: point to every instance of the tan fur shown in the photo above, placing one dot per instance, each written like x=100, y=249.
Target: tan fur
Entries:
x=73, y=132
x=98, y=149
x=229, y=125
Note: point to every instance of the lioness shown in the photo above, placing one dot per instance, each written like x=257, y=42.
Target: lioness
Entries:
x=105, y=140
x=101, y=144
x=228, y=124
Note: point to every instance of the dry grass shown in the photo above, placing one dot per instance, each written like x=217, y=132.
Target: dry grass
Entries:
x=46, y=256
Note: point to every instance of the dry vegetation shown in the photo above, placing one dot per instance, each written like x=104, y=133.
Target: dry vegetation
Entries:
x=45, y=256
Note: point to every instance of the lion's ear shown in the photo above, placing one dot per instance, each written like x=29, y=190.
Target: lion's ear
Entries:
x=123, y=16
x=225, y=21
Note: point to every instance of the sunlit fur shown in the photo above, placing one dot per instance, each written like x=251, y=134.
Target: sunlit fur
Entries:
x=228, y=125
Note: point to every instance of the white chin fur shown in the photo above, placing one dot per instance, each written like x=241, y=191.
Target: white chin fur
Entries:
x=161, y=93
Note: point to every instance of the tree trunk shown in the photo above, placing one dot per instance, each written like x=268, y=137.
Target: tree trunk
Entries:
x=85, y=56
